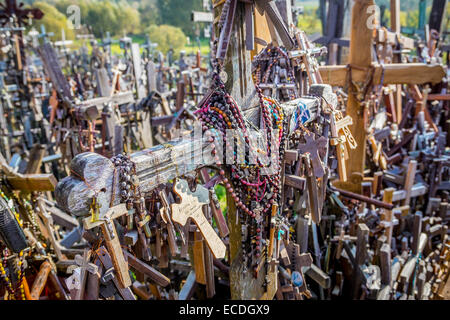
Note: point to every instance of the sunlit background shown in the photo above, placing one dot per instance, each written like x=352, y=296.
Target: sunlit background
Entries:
x=168, y=22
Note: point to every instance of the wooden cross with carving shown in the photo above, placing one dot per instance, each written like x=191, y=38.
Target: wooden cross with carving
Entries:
x=191, y=207
x=341, y=135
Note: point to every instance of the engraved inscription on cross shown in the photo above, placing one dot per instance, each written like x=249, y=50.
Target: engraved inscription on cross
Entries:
x=341, y=134
x=191, y=207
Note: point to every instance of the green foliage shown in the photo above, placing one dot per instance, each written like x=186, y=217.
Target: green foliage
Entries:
x=149, y=12
x=128, y=18
x=53, y=20
x=116, y=17
x=178, y=13
x=405, y=5
x=221, y=196
x=309, y=21
x=101, y=18
x=167, y=37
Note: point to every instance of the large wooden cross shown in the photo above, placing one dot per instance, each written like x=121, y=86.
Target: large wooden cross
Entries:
x=92, y=175
x=361, y=49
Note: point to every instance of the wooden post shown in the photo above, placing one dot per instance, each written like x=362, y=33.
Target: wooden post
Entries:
x=395, y=16
x=387, y=197
x=237, y=66
x=396, y=27
x=360, y=57
x=360, y=257
x=437, y=13
x=239, y=83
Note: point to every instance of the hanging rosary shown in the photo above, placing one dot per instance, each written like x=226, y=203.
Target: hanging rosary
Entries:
x=272, y=67
x=254, y=192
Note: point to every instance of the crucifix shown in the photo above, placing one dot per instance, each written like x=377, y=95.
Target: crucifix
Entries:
x=341, y=138
x=360, y=65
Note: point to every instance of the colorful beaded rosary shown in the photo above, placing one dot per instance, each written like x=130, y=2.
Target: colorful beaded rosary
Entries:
x=13, y=290
x=253, y=190
x=272, y=60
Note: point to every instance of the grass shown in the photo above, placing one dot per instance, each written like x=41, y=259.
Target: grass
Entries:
x=116, y=50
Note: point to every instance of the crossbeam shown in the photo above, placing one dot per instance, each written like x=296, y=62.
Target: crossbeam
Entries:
x=394, y=73
x=93, y=174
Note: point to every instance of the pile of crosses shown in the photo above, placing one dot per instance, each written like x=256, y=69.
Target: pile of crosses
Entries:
x=58, y=102
x=363, y=195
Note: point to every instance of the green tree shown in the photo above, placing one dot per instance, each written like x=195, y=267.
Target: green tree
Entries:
x=128, y=18
x=178, y=13
x=167, y=37
x=53, y=20
x=309, y=21
x=149, y=11
x=103, y=15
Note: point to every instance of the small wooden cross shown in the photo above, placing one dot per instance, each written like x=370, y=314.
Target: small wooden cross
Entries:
x=341, y=134
x=164, y=211
x=48, y=221
x=90, y=133
x=106, y=223
x=388, y=221
x=191, y=207
x=84, y=266
x=312, y=147
x=299, y=260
